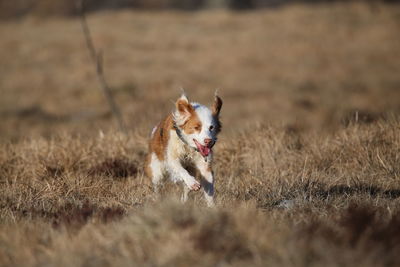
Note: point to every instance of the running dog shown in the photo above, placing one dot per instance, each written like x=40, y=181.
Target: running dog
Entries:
x=187, y=134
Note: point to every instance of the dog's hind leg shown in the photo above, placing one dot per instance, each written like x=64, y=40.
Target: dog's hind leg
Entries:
x=155, y=171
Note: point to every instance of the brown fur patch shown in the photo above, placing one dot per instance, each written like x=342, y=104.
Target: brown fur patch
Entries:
x=192, y=125
x=216, y=107
x=184, y=107
x=159, y=141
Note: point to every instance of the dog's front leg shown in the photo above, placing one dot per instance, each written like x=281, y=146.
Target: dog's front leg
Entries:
x=176, y=170
x=208, y=180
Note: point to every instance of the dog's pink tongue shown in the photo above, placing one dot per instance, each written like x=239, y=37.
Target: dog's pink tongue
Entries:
x=204, y=150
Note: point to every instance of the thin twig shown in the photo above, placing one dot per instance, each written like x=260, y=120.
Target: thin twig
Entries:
x=98, y=61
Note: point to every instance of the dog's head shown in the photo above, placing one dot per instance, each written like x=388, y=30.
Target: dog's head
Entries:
x=198, y=125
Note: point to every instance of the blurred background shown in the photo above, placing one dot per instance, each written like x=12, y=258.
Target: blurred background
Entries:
x=304, y=65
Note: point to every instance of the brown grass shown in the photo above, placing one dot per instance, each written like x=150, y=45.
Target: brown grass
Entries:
x=307, y=166
x=281, y=200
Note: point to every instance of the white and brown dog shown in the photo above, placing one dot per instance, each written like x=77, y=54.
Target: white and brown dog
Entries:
x=187, y=134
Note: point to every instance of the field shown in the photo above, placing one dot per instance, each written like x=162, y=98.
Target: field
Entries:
x=307, y=165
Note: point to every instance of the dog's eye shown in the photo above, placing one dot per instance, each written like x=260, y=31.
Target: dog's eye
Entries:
x=211, y=127
x=197, y=127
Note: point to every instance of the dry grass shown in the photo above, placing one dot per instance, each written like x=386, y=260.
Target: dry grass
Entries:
x=281, y=200
x=300, y=182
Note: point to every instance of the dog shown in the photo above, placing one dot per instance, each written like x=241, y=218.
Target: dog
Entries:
x=187, y=134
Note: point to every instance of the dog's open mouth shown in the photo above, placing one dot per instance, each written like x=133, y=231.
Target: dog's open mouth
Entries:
x=204, y=150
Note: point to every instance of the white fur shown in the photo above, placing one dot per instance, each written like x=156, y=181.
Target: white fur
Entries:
x=206, y=118
x=157, y=170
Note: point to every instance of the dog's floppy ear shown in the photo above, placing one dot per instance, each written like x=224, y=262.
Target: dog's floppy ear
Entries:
x=183, y=109
x=216, y=107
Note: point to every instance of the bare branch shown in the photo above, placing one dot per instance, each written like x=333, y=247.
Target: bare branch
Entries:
x=98, y=62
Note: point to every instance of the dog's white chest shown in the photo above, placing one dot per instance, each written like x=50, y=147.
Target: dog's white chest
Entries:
x=178, y=150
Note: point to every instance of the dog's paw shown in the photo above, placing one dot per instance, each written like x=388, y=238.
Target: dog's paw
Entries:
x=194, y=185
